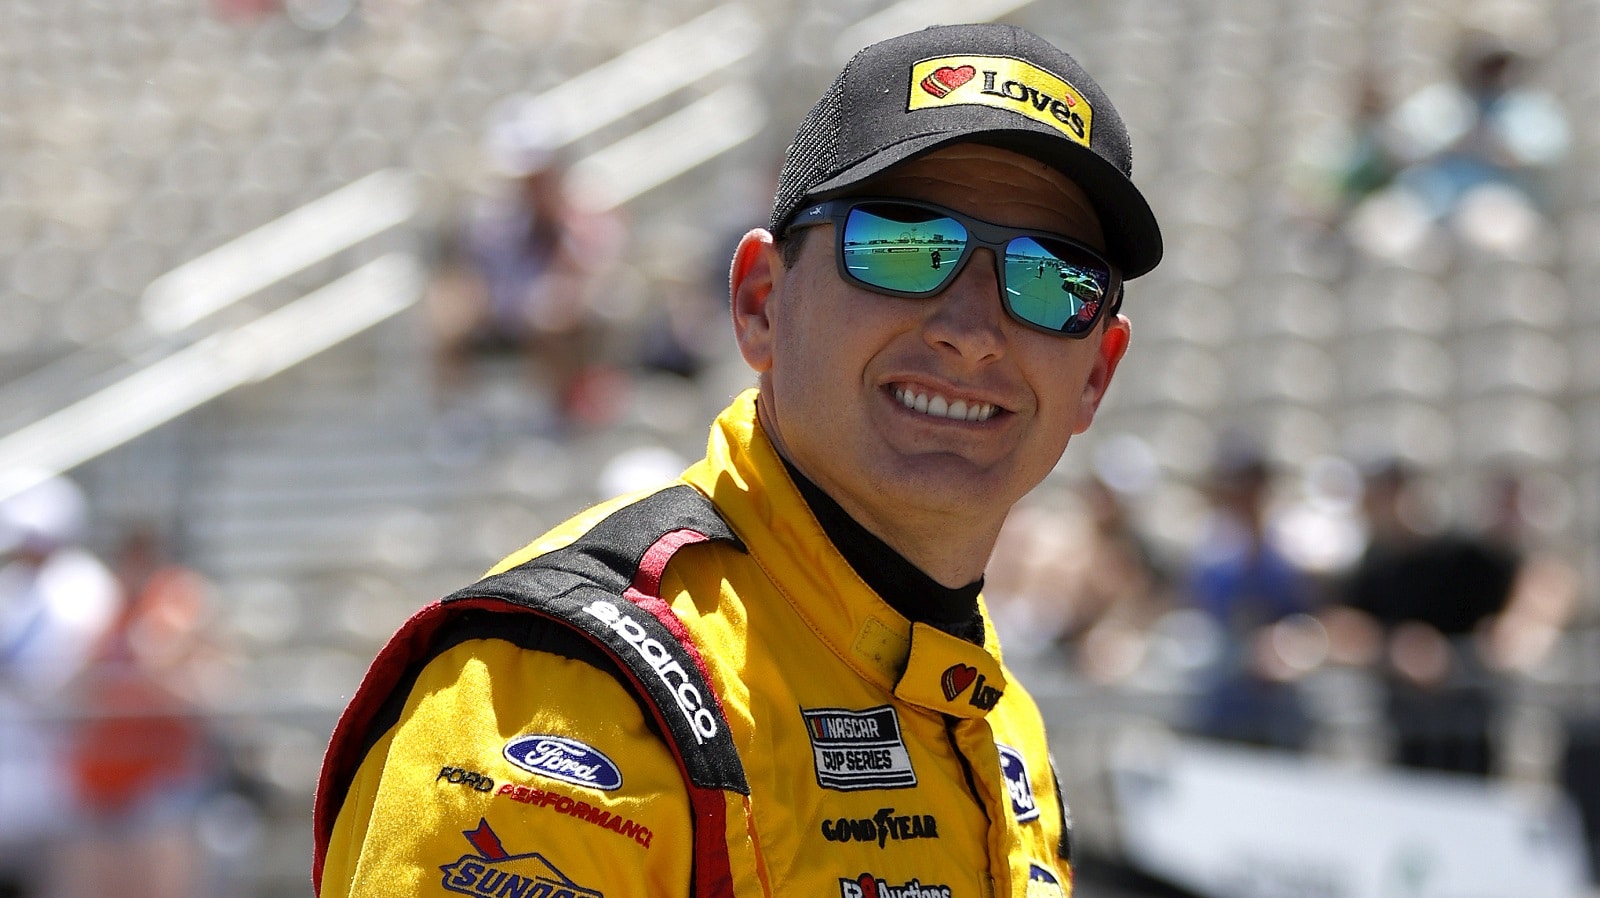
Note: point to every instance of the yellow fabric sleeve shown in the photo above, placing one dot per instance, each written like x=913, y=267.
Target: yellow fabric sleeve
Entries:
x=439, y=807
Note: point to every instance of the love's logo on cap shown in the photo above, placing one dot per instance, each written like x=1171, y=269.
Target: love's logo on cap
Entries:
x=940, y=82
x=1001, y=82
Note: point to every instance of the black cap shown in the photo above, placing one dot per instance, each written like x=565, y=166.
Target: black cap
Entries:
x=991, y=84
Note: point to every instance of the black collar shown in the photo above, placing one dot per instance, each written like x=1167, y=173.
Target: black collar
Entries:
x=917, y=596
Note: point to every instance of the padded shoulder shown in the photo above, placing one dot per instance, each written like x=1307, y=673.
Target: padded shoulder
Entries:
x=601, y=588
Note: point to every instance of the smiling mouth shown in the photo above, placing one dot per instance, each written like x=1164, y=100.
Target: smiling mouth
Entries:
x=935, y=405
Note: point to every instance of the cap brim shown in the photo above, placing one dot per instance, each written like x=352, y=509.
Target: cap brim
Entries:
x=1133, y=238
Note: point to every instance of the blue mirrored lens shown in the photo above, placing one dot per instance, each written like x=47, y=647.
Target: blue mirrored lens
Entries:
x=902, y=248
x=1054, y=284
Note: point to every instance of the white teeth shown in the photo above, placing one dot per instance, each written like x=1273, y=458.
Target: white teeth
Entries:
x=934, y=404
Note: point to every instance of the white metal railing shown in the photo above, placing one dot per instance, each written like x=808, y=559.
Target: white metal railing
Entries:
x=246, y=265
x=196, y=374
x=186, y=296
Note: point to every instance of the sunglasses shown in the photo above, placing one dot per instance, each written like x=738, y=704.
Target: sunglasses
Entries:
x=915, y=249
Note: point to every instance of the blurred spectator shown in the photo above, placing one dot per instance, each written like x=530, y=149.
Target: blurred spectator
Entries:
x=140, y=754
x=1347, y=161
x=1487, y=126
x=522, y=277
x=1474, y=151
x=1242, y=579
x=1435, y=608
x=57, y=601
x=1072, y=573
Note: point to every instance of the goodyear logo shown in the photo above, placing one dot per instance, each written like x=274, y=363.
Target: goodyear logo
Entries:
x=493, y=872
x=1002, y=83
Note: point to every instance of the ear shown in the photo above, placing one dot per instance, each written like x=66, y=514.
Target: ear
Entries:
x=757, y=271
x=1108, y=354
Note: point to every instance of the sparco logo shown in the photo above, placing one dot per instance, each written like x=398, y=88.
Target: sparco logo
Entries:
x=567, y=760
x=881, y=826
x=868, y=886
x=667, y=668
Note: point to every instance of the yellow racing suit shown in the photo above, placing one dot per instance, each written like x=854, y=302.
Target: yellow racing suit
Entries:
x=688, y=692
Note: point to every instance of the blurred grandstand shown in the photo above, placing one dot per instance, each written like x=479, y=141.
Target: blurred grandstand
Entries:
x=217, y=220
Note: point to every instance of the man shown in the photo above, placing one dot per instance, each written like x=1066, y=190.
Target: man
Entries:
x=775, y=677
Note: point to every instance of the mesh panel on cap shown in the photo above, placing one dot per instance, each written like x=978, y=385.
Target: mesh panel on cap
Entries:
x=813, y=155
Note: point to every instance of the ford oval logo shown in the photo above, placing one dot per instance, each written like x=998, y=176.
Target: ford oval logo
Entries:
x=1016, y=774
x=567, y=760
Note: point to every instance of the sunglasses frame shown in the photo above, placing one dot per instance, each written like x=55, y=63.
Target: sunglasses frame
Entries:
x=980, y=233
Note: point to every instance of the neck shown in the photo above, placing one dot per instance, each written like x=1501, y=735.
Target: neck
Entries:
x=952, y=549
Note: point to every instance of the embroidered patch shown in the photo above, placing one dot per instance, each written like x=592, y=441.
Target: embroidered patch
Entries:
x=581, y=810
x=856, y=750
x=495, y=872
x=1043, y=884
x=1015, y=770
x=881, y=827
x=868, y=886
x=956, y=679
x=668, y=660
x=460, y=776
x=566, y=760
x=1001, y=82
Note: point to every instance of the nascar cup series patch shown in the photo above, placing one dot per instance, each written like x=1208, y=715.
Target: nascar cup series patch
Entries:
x=1001, y=82
x=493, y=872
x=857, y=750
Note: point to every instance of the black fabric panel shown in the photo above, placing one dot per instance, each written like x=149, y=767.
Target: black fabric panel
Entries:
x=907, y=589
x=582, y=584
x=1064, y=850
x=660, y=665
x=608, y=555
x=526, y=631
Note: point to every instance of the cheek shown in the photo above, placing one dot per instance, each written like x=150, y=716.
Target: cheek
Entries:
x=1058, y=371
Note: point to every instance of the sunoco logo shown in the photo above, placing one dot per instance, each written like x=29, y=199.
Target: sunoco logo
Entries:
x=495, y=873
x=690, y=702
x=856, y=750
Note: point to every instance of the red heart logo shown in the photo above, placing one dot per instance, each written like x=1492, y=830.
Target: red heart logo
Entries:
x=940, y=82
x=956, y=679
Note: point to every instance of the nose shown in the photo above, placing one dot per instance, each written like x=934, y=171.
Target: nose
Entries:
x=967, y=317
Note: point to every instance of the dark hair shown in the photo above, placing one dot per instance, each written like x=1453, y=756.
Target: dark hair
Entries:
x=789, y=246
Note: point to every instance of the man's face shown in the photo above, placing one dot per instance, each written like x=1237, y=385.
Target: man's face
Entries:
x=839, y=359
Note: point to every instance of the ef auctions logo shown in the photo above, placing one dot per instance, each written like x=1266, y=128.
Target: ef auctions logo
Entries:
x=956, y=679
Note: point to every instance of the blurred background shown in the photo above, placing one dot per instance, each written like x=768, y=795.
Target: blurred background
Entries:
x=310, y=310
